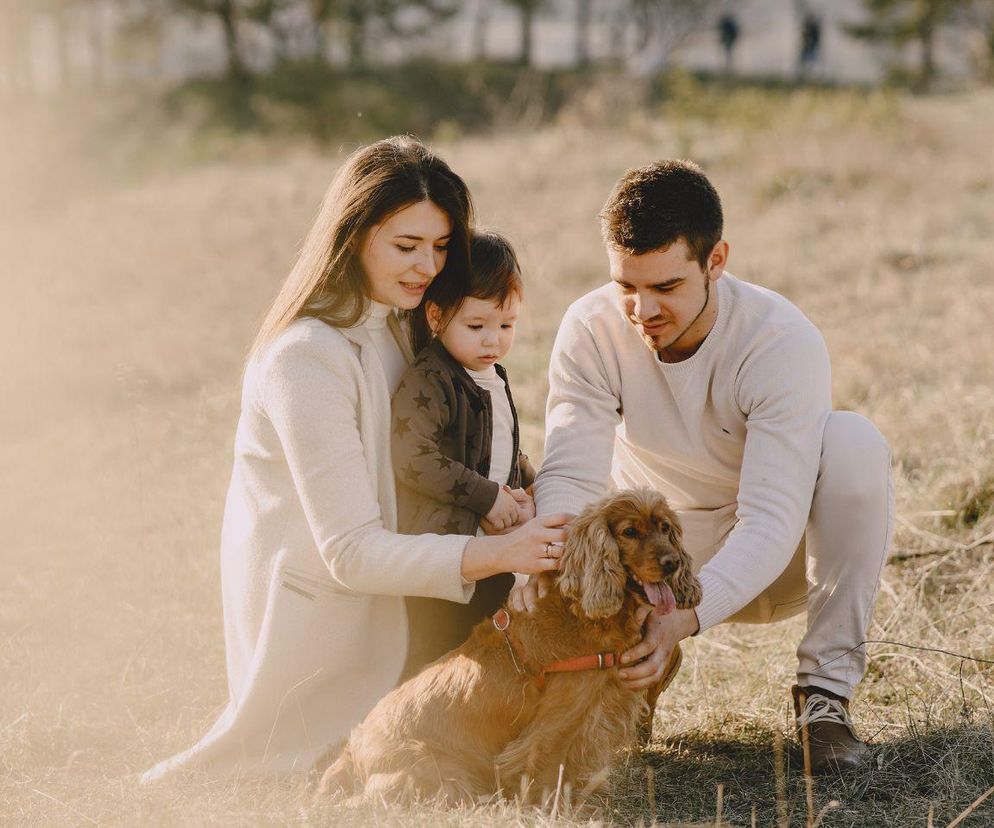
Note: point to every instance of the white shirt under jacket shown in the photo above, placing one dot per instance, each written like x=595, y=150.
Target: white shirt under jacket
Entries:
x=312, y=570
x=739, y=422
x=502, y=458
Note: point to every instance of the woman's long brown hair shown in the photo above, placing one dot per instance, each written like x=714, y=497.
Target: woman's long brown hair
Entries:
x=375, y=181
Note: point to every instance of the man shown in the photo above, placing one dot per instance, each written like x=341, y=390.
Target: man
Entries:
x=717, y=393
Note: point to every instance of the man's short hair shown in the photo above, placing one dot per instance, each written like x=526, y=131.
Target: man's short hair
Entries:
x=652, y=207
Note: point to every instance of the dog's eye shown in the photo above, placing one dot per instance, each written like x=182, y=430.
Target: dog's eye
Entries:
x=665, y=526
x=630, y=532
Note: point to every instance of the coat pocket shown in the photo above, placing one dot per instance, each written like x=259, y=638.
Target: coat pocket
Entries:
x=789, y=608
x=310, y=586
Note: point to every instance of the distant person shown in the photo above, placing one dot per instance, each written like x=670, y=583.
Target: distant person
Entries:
x=313, y=572
x=456, y=452
x=810, y=43
x=728, y=35
x=717, y=393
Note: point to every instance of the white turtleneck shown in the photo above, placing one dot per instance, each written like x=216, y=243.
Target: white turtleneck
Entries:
x=391, y=357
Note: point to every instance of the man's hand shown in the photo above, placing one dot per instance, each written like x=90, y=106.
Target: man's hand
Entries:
x=662, y=634
x=525, y=597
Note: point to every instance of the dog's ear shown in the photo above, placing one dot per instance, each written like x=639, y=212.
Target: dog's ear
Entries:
x=590, y=570
x=676, y=531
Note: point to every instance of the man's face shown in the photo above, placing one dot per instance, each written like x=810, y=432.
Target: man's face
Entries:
x=668, y=296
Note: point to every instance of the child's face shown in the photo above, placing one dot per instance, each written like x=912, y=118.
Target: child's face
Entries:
x=481, y=332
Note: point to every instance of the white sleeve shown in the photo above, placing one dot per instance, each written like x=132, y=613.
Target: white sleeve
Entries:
x=310, y=394
x=581, y=416
x=785, y=391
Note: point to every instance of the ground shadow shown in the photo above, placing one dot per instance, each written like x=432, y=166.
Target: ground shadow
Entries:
x=947, y=768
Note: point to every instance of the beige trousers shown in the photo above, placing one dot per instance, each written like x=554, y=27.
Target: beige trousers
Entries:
x=835, y=572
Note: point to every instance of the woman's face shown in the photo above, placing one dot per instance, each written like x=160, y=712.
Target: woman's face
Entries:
x=401, y=255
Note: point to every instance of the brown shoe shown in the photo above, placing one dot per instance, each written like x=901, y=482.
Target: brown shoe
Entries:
x=653, y=693
x=832, y=743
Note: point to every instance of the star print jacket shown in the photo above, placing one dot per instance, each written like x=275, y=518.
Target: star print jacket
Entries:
x=441, y=435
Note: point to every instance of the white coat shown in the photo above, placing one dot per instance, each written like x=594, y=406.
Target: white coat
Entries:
x=312, y=571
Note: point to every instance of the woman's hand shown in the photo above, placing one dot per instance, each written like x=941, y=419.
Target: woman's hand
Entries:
x=536, y=546
x=661, y=634
x=532, y=548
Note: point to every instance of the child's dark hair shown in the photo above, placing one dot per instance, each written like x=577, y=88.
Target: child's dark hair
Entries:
x=494, y=275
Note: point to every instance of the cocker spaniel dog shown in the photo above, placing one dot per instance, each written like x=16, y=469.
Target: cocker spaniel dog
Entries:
x=528, y=692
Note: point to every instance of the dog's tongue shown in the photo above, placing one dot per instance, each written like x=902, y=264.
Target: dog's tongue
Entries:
x=661, y=597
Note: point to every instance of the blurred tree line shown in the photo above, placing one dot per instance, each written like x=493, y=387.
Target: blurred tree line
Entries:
x=332, y=68
x=346, y=32
x=310, y=29
x=918, y=22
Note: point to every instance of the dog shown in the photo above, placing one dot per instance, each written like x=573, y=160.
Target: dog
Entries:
x=524, y=695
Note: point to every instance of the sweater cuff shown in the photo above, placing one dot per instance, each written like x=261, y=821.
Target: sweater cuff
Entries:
x=548, y=503
x=466, y=588
x=716, y=603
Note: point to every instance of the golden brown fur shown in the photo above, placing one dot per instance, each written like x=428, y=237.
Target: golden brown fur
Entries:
x=470, y=722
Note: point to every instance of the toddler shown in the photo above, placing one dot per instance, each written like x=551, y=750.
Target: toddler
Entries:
x=455, y=436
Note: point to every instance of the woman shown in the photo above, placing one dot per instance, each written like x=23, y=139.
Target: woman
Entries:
x=313, y=572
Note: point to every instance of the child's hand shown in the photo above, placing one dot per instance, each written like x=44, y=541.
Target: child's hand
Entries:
x=526, y=505
x=504, y=512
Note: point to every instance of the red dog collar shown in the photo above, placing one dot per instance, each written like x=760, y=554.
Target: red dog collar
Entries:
x=593, y=661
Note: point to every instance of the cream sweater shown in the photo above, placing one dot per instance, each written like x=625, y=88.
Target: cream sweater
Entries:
x=313, y=573
x=740, y=421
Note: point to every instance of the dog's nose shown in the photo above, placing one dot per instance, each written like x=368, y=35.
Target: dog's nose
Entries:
x=669, y=565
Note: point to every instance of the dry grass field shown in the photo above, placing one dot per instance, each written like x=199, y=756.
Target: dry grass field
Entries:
x=129, y=300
